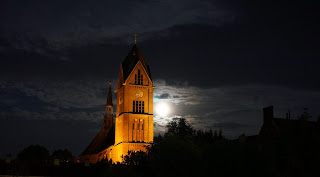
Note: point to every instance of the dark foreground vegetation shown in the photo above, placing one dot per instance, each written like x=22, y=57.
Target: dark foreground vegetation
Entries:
x=183, y=151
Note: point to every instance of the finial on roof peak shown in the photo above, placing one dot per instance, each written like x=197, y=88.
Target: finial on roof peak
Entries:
x=135, y=38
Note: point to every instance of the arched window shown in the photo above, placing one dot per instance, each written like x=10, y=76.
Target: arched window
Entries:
x=139, y=80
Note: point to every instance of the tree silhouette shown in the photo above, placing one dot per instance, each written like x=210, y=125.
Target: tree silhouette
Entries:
x=215, y=134
x=63, y=155
x=34, y=155
x=180, y=128
x=135, y=158
x=220, y=134
x=183, y=151
x=305, y=115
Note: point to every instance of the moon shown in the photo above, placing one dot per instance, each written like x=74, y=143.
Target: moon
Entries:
x=162, y=109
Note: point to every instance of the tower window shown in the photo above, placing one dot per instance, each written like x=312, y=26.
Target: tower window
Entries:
x=138, y=76
x=142, y=124
x=138, y=106
x=134, y=106
x=142, y=106
x=142, y=130
x=135, y=79
x=139, y=79
x=141, y=83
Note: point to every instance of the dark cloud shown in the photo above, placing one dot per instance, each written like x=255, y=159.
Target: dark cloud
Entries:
x=175, y=118
x=229, y=125
x=164, y=96
x=228, y=55
x=81, y=22
x=16, y=134
x=260, y=45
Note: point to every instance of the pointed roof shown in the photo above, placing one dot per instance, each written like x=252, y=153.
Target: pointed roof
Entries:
x=109, y=100
x=103, y=140
x=131, y=60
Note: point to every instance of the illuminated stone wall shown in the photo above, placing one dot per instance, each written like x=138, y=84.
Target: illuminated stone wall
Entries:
x=134, y=125
x=122, y=149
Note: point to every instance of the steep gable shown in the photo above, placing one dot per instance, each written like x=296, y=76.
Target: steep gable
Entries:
x=134, y=73
x=131, y=60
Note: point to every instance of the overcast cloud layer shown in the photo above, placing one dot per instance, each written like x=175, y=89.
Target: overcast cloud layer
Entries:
x=65, y=23
x=216, y=63
x=78, y=109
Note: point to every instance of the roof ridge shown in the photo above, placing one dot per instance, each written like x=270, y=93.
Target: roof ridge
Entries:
x=131, y=60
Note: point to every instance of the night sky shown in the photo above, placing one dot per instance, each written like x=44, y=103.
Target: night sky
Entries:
x=216, y=63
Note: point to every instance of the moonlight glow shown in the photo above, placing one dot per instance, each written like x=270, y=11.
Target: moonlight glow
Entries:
x=162, y=109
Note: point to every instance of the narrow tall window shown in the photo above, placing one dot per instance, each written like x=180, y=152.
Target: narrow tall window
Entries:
x=138, y=132
x=141, y=80
x=135, y=79
x=137, y=106
x=142, y=106
x=142, y=126
x=134, y=106
x=133, y=131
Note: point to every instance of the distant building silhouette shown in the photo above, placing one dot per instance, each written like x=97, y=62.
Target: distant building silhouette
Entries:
x=285, y=127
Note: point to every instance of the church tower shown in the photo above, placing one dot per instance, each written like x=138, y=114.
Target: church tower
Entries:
x=96, y=151
x=108, y=117
x=134, y=115
x=133, y=130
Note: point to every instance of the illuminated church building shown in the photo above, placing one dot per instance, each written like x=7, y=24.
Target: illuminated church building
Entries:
x=133, y=129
